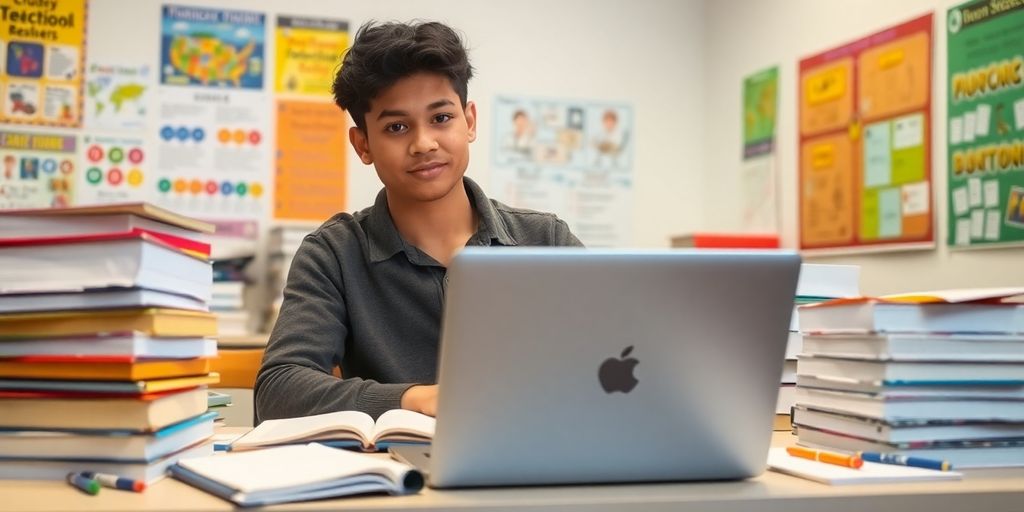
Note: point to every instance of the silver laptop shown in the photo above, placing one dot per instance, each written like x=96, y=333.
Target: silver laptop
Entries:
x=564, y=366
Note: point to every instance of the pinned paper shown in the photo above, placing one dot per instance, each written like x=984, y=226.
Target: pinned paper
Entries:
x=1018, y=108
x=977, y=224
x=915, y=198
x=963, y=232
x=960, y=201
x=992, y=222
x=908, y=132
x=877, y=155
x=984, y=118
x=956, y=130
x=970, y=120
x=991, y=193
x=974, y=192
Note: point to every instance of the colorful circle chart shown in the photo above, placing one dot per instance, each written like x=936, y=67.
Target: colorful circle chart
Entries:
x=193, y=186
x=182, y=133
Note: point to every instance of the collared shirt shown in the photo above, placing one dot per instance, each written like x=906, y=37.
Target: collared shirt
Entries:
x=360, y=297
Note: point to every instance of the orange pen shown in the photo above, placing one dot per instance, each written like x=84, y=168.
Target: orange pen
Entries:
x=839, y=459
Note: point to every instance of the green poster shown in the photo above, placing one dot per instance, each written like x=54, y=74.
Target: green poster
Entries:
x=760, y=100
x=986, y=123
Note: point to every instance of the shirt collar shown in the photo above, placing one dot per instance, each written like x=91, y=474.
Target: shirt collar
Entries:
x=384, y=240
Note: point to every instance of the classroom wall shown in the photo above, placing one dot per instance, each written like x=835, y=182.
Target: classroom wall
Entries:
x=647, y=54
x=744, y=36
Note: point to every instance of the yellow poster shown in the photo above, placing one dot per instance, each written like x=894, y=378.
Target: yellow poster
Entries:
x=42, y=51
x=308, y=53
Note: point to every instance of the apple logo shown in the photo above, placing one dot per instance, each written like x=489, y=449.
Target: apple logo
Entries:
x=617, y=374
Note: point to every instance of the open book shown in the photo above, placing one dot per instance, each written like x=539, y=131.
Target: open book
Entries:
x=296, y=473
x=342, y=429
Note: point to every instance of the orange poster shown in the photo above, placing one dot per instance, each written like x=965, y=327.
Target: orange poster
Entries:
x=865, y=144
x=310, y=173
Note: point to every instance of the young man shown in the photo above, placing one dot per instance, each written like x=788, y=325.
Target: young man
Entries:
x=365, y=291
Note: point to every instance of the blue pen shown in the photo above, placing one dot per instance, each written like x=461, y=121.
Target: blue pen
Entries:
x=83, y=483
x=116, y=482
x=903, y=460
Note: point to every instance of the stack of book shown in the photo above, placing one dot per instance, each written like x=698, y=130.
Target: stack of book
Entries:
x=229, y=291
x=104, y=341
x=938, y=375
x=818, y=283
x=282, y=244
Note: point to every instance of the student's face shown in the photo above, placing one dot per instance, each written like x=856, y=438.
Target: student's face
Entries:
x=417, y=137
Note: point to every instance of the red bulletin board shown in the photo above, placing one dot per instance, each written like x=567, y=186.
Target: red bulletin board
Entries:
x=865, y=142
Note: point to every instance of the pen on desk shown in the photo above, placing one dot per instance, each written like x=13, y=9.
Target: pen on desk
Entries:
x=839, y=459
x=83, y=483
x=903, y=460
x=116, y=482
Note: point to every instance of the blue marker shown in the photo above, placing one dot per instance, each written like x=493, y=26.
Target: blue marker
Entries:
x=903, y=460
x=83, y=483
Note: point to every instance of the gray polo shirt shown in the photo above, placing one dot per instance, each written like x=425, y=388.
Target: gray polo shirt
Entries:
x=360, y=297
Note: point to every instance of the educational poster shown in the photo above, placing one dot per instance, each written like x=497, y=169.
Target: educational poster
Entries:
x=213, y=154
x=310, y=178
x=113, y=170
x=758, y=186
x=37, y=170
x=986, y=124
x=42, y=52
x=571, y=158
x=308, y=52
x=212, y=47
x=116, y=96
x=865, y=125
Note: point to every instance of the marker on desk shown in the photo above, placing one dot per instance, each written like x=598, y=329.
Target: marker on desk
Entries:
x=903, y=460
x=839, y=459
x=83, y=483
x=116, y=482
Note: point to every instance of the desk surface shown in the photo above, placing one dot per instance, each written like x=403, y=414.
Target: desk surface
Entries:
x=980, y=490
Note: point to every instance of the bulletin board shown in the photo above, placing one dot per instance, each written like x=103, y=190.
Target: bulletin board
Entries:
x=865, y=177
x=986, y=124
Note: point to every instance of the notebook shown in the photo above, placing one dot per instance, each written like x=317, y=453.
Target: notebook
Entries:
x=869, y=473
x=296, y=473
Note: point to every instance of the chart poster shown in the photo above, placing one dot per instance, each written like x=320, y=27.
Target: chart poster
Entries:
x=758, y=181
x=37, y=170
x=42, y=52
x=760, y=103
x=117, y=96
x=865, y=145
x=308, y=53
x=213, y=154
x=310, y=181
x=212, y=47
x=571, y=158
x=113, y=170
x=986, y=124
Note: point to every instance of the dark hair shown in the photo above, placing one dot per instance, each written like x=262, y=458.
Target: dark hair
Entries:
x=382, y=54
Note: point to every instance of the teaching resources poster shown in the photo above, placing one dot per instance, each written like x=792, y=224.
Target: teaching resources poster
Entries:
x=865, y=146
x=42, y=51
x=571, y=158
x=758, y=186
x=37, y=170
x=212, y=47
x=116, y=96
x=986, y=124
x=310, y=180
x=308, y=52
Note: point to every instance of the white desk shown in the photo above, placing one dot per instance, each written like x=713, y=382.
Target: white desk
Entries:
x=980, y=491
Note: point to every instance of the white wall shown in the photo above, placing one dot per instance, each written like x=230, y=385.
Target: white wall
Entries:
x=743, y=36
x=646, y=53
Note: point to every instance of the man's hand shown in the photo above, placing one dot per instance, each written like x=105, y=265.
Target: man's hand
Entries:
x=421, y=399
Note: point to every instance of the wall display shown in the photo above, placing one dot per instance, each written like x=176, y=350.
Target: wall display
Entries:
x=213, y=153
x=310, y=178
x=758, y=185
x=212, y=47
x=985, y=80
x=865, y=144
x=113, y=170
x=37, y=170
x=571, y=158
x=42, y=51
x=308, y=51
x=117, y=96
